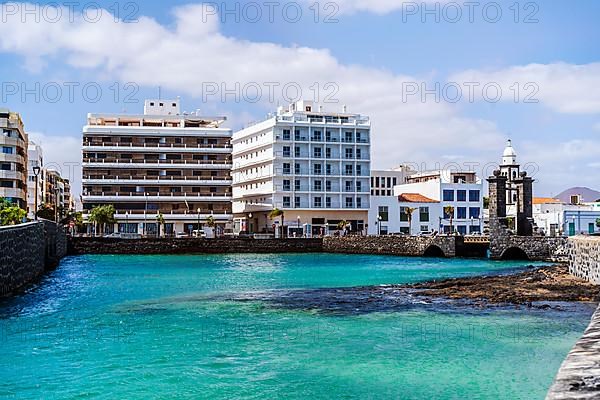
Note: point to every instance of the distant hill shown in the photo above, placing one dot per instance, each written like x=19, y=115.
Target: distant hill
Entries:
x=587, y=194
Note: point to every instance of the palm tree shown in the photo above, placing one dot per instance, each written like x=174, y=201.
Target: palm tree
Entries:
x=343, y=225
x=210, y=222
x=409, y=212
x=598, y=222
x=102, y=215
x=160, y=220
x=449, y=213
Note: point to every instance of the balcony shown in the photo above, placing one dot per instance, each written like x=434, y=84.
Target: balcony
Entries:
x=161, y=180
x=155, y=197
x=145, y=164
x=158, y=147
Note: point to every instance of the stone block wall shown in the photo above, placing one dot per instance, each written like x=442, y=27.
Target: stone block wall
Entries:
x=27, y=251
x=535, y=247
x=91, y=245
x=584, y=257
x=390, y=245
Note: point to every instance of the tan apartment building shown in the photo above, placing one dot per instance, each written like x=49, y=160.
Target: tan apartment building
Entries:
x=162, y=162
x=13, y=158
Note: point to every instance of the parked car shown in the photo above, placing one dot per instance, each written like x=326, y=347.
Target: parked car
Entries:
x=196, y=233
x=181, y=235
x=228, y=232
x=113, y=235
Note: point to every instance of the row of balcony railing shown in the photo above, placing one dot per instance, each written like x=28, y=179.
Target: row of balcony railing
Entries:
x=295, y=138
x=122, y=213
x=158, y=145
x=154, y=194
x=166, y=179
x=324, y=120
x=159, y=161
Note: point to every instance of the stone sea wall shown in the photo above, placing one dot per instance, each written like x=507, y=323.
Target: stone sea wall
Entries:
x=579, y=374
x=392, y=245
x=584, y=257
x=535, y=247
x=27, y=251
x=90, y=245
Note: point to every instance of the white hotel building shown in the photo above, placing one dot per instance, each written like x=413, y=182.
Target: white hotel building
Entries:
x=311, y=164
x=161, y=162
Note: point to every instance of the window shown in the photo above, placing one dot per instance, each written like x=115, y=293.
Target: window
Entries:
x=328, y=169
x=349, y=154
x=462, y=230
x=174, y=173
x=349, y=170
x=461, y=212
x=474, y=212
x=448, y=195
x=317, y=185
x=349, y=186
x=6, y=184
x=297, y=169
x=317, y=152
x=405, y=229
x=328, y=152
x=383, y=213
x=287, y=151
x=173, y=156
x=7, y=150
x=473, y=195
x=296, y=151
x=287, y=202
x=125, y=140
x=328, y=136
x=358, y=202
x=297, y=201
x=358, y=170
x=317, y=136
x=287, y=168
x=461, y=195
x=424, y=214
x=475, y=229
x=297, y=185
x=287, y=185
x=328, y=202
x=287, y=134
x=359, y=186
x=349, y=202
x=348, y=136
x=424, y=228
x=5, y=167
x=126, y=156
x=317, y=169
x=317, y=202
x=296, y=134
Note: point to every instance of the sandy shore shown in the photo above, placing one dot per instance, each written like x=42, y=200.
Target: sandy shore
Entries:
x=552, y=283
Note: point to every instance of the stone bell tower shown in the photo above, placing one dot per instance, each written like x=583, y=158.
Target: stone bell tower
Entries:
x=497, y=202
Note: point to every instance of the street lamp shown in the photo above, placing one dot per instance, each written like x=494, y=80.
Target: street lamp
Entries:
x=298, y=221
x=145, y=212
x=249, y=223
x=56, y=192
x=198, y=234
x=379, y=225
x=126, y=221
x=471, y=229
x=36, y=172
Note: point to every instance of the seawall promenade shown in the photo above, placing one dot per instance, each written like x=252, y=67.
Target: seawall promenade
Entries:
x=27, y=251
x=579, y=374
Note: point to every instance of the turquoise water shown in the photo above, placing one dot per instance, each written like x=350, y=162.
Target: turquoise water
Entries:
x=189, y=327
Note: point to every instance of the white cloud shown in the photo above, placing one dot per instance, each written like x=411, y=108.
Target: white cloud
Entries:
x=379, y=7
x=565, y=88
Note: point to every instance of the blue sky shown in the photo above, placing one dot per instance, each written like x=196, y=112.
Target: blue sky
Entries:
x=370, y=52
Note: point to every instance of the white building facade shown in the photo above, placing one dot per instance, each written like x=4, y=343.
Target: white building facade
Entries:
x=312, y=165
x=555, y=218
x=35, y=159
x=442, y=201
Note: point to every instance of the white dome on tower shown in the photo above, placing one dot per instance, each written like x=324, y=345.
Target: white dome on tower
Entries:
x=509, y=157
